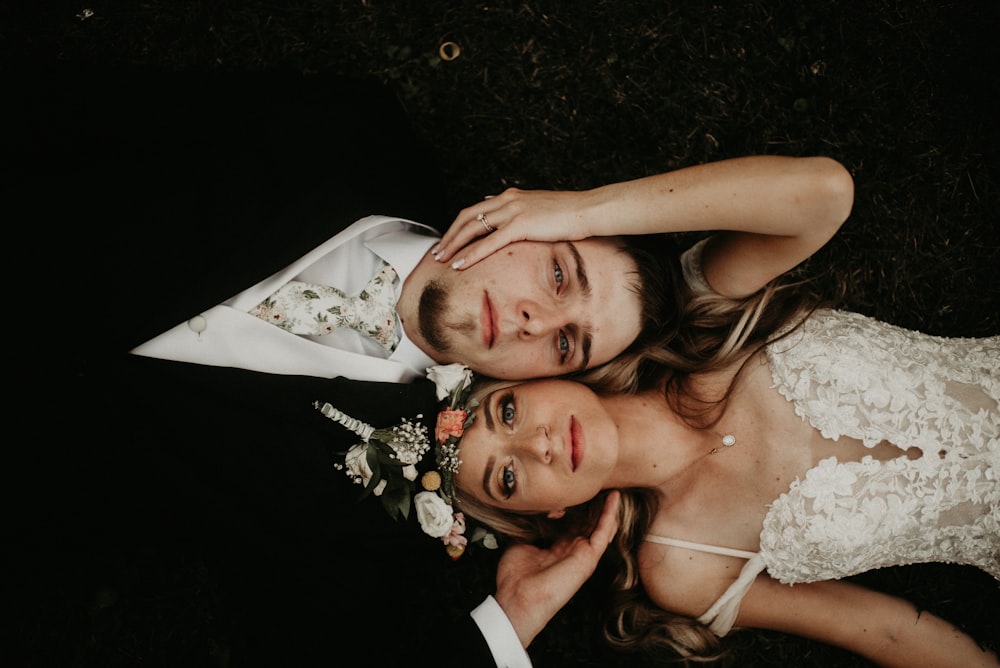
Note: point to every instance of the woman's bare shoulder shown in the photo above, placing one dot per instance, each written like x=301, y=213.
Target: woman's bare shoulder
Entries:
x=685, y=581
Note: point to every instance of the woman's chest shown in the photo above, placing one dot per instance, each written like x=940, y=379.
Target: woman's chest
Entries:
x=772, y=446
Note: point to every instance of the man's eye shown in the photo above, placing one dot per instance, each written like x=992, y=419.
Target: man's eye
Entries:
x=508, y=481
x=557, y=274
x=563, y=343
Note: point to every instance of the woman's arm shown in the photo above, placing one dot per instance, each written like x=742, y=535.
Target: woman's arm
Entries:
x=887, y=630
x=775, y=211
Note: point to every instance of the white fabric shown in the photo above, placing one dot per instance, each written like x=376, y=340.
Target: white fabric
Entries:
x=721, y=617
x=691, y=267
x=850, y=375
x=232, y=337
x=854, y=376
x=700, y=547
x=500, y=635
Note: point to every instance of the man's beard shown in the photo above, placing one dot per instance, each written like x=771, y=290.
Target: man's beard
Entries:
x=430, y=317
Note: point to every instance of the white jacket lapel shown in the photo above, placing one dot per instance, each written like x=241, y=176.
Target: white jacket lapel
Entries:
x=236, y=339
x=249, y=298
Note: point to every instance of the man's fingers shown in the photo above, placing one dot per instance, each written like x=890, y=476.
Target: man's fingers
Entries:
x=607, y=526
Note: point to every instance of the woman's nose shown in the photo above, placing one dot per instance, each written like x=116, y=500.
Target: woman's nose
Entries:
x=539, y=445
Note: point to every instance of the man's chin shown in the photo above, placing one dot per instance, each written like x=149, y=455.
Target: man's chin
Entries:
x=432, y=307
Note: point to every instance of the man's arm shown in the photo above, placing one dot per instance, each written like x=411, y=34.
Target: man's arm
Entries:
x=534, y=584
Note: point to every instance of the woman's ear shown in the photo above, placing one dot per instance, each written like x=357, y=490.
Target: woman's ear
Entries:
x=556, y=514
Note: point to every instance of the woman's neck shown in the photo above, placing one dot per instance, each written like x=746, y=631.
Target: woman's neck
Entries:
x=655, y=445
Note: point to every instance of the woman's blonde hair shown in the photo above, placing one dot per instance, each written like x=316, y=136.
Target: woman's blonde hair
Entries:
x=635, y=623
x=704, y=332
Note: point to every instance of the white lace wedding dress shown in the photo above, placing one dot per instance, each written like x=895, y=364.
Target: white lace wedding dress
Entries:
x=850, y=375
x=853, y=376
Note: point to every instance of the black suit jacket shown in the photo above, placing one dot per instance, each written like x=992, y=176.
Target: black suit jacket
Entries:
x=152, y=198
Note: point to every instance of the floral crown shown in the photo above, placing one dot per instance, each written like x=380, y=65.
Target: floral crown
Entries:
x=385, y=461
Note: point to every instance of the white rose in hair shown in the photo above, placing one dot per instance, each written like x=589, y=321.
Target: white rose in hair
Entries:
x=449, y=378
x=435, y=516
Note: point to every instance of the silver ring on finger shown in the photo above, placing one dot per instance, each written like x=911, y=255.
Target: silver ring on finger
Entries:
x=486, y=224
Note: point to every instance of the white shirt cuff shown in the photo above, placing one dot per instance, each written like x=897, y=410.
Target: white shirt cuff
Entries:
x=500, y=635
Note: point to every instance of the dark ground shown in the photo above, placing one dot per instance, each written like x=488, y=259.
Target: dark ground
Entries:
x=575, y=94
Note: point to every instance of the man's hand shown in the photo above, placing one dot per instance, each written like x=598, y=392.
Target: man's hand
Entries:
x=534, y=584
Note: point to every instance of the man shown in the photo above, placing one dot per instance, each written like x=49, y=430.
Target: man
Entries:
x=164, y=218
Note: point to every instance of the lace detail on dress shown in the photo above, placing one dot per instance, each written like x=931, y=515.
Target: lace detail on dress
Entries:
x=854, y=376
x=850, y=517
x=851, y=375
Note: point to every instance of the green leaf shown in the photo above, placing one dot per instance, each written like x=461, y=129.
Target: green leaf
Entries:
x=397, y=502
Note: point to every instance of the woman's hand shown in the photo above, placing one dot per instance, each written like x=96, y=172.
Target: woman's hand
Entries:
x=514, y=215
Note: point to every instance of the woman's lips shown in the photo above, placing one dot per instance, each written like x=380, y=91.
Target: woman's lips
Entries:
x=576, y=440
x=486, y=322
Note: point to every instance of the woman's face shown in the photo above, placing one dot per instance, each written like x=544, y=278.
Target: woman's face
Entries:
x=539, y=446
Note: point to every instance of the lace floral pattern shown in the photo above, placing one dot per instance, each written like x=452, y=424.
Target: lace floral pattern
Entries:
x=851, y=375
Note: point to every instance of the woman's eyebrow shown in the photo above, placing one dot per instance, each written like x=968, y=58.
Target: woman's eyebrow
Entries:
x=487, y=412
x=490, y=463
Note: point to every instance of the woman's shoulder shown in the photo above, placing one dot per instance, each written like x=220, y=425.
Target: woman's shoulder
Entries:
x=685, y=581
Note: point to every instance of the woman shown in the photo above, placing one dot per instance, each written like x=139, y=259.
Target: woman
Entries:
x=809, y=499
x=827, y=446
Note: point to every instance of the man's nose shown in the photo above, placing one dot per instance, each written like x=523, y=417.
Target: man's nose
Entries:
x=535, y=319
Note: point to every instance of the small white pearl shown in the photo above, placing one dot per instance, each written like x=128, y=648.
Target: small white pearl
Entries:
x=729, y=440
x=197, y=324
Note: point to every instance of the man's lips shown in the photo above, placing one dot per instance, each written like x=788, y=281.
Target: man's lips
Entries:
x=487, y=321
x=576, y=443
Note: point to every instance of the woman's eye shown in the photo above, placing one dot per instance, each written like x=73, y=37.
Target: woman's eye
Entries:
x=557, y=274
x=507, y=411
x=508, y=481
x=563, y=343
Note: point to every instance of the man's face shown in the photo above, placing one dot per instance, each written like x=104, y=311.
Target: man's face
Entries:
x=530, y=310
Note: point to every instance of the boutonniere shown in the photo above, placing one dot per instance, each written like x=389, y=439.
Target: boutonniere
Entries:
x=385, y=461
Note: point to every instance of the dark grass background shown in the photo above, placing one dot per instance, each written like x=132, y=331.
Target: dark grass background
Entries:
x=572, y=95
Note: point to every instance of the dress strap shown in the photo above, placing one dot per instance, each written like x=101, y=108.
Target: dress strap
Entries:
x=700, y=547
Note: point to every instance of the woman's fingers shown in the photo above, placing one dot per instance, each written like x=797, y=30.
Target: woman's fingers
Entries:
x=472, y=222
x=481, y=248
x=474, y=233
x=514, y=215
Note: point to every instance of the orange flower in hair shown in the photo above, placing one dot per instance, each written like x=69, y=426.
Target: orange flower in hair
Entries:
x=450, y=422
